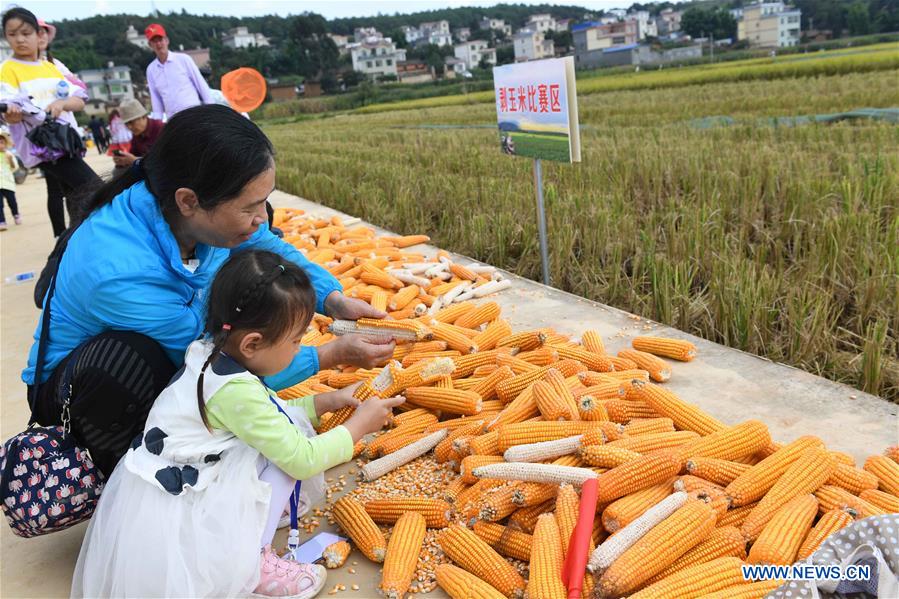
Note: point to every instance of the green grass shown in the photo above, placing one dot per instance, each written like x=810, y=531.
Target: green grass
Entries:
x=541, y=145
x=780, y=241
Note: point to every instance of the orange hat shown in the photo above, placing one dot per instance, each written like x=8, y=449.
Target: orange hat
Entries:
x=244, y=88
x=154, y=30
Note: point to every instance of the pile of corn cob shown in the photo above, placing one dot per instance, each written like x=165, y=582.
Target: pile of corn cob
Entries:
x=378, y=270
x=481, y=468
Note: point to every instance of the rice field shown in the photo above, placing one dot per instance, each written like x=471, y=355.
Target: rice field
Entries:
x=780, y=241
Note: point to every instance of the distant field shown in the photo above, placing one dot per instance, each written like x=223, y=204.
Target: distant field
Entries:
x=781, y=241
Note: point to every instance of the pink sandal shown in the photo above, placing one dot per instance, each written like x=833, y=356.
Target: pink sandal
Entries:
x=279, y=577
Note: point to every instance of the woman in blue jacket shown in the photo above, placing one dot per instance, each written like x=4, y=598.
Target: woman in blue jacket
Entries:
x=130, y=291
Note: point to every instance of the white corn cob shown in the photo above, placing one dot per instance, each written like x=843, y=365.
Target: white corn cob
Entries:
x=420, y=309
x=498, y=276
x=435, y=270
x=544, y=450
x=445, y=260
x=491, y=287
x=538, y=473
x=407, y=277
x=416, y=268
x=384, y=379
x=392, y=461
x=449, y=296
x=435, y=307
x=481, y=269
x=464, y=297
x=349, y=221
x=349, y=327
x=603, y=556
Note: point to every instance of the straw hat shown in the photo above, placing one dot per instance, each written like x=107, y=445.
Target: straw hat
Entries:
x=131, y=109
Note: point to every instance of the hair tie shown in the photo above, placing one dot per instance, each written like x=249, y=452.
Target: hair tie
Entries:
x=137, y=167
x=281, y=266
x=226, y=327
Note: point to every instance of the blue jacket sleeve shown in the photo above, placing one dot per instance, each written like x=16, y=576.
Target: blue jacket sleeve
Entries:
x=323, y=281
x=304, y=365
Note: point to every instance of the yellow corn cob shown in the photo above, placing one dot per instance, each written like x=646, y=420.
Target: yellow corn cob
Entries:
x=516, y=364
x=509, y=389
x=592, y=342
x=484, y=371
x=831, y=498
x=452, y=491
x=525, y=340
x=566, y=513
x=892, y=452
x=351, y=516
x=685, y=416
x=486, y=444
x=804, y=476
x=655, y=441
x=886, y=471
x=411, y=427
x=535, y=432
x=375, y=276
x=676, y=349
x=757, y=480
x=452, y=313
x=415, y=416
x=486, y=388
x=829, y=523
x=545, y=579
x=640, y=473
x=498, y=504
x=455, y=423
x=484, y=313
x=782, y=536
x=598, y=378
x=542, y=356
x=403, y=297
x=882, y=500
x=405, y=241
x=454, y=339
x=402, y=555
x=295, y=392
x=696, y=580
x=658, y=369
x=731, y=443
x=658, y=549
x=471, y=462
x=379, y=300
x=460, y=584
x=454, y=401
x=592, y=361
x=466, y=364
x=602, y=433
x=746, y=590
x=648, y=426
x=496, y=330
x=388, y=511
x=528, y=494
x=735, y=516
x=474, y=493
x=606, y=390
x=359, y=447
x=445, y=450
x=843, y=458
x=525, y=519
x=438, y=288
x=854, y=480
x=507, y=541
x=335, y=554
x=606, y=456
x=720, y=472
x=474, y=555
x=724, y=541
x=551, y=405
x=462, y=272
x=622, y=512
x=520, y=409
x=415, y=357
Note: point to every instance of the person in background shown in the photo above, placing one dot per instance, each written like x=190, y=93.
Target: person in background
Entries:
x=144, y=130
x=8, y=166
x=26, y=75
x=120, y=136
x=174, y=80
x=96, y=127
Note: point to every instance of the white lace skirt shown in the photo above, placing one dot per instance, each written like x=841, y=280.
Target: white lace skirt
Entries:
x=145, y=542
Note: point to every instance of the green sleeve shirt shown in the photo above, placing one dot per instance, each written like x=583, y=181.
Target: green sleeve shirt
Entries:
x=243, y=407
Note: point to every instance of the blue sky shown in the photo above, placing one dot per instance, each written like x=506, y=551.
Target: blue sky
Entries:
x=54, y=10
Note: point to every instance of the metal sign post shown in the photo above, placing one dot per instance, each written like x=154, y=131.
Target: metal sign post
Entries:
x=541, y=220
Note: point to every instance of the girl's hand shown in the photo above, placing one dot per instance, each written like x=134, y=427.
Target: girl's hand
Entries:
x=13, y=114
x=371, y=415
x=56, y=108
x=334, y=400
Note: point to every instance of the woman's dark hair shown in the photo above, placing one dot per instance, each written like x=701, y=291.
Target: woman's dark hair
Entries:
x=23, y=14
x=210, y=149
x=259, y=291
x=113, y=113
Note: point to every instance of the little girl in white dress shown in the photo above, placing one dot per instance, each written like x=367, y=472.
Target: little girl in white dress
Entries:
x=192, y=507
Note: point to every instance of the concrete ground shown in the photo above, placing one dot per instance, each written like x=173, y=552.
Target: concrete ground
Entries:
x=729, y=384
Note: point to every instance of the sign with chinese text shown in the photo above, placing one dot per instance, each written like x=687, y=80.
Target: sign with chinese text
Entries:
x=536, y=107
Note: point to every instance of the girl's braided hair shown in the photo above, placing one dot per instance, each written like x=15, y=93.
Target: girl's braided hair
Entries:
x=257, y=291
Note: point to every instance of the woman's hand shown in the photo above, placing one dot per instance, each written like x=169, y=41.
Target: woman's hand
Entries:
x=56, y=108
x=339, y=306
x=125, y=159
x=334, y=400
x=371, y=415
x=355, y=350
x=13, y=114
